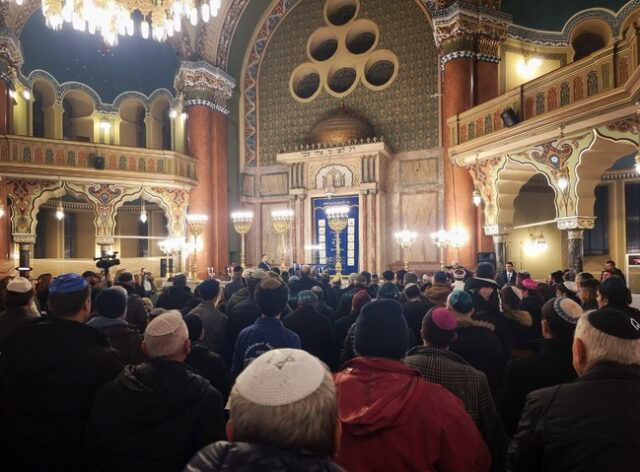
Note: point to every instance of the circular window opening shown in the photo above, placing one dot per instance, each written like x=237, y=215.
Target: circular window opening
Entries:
x=342, y=79
x=342, y=14
x=380, y=73
x=307, y=85
x=586, y=44
x=325, y=49
x=362, y=42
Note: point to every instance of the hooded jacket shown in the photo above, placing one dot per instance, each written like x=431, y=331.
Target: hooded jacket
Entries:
x=392, y=419
x=247, y=457
x=49, y=375
x=153, y=417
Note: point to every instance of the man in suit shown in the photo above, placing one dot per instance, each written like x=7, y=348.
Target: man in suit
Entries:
x=508, y=276
x=264, y=264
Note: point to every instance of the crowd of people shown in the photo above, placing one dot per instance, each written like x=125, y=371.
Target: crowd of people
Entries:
x=298, y=371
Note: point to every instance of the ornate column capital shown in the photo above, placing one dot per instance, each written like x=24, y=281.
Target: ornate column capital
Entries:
x=11, y=59
x=497, y=230
x=466, y=30
x=575, y=234
x=575, y=222
x=201, y=83
x=23, y=238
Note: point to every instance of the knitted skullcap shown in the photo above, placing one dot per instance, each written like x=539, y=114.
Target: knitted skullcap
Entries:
x=615, y=323
x=444, y=319
x=166, y=323
x=307, y=297
x=67, y=283
x=461, y=302
x=568, y=310
x=19, y=285
x=281, y=377
x=360, y=299
x=180, y=280
x=381, y=330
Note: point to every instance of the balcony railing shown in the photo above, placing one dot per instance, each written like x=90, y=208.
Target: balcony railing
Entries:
x=588, y=79
x=23, y=155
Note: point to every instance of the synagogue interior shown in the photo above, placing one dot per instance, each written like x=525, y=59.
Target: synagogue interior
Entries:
x=348, y=134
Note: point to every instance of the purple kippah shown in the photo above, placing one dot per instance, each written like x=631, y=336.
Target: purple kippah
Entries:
x=444, y=319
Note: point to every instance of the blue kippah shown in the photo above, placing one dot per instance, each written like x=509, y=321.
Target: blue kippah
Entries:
x=67, y=283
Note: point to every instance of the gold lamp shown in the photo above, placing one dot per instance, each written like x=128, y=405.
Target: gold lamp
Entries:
x=196, y=225
x=282, y=221
x=242, y=221
x=338, y=217
x=406, y=239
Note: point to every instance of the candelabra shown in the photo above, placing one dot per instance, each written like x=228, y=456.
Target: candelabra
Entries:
x=242, y=221
x=455, y=238
x=171, y=247
x=282, y=221
x=406, y=239
x=196, y=225
x=338, y=216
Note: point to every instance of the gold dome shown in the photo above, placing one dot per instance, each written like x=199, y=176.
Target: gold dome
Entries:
x=340, y=128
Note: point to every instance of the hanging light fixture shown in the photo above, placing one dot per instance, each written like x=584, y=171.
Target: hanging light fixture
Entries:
x=1, y=209
x=563, y=183
x=475, y=196
x=143, y=209
x=161, y=19
x=59, y=211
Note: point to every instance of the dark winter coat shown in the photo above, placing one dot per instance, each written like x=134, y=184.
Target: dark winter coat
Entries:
x=246, y=457
x=589, y=425
x=303, y=283
x=212, y=367
x=242, y=315
x=341, y=329
x=124, y=339
x=153, y=417
x=174, y=298
x=231, y=288
x=551, y=366
x=214, y=323
x=525, y=336
x=136, y=314
x=49, y=375
x=344, y=305
x=451, y=371
x=315, y=332
x=414, y=312
x=12, y=319
x=479, y=346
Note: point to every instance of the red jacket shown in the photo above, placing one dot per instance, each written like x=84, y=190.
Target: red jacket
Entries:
x=393, y=420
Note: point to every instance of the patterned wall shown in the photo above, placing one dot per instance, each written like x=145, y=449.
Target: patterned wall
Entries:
x=405, y=113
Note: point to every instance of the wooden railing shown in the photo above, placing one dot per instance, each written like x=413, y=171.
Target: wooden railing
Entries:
x=592, y=76
x=37, y=156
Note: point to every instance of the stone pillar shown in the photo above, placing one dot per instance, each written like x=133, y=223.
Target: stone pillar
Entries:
x=467, y=37
x=205, y=90
x=25, y=241
x=499, y=235
x=10, y=64
x=575, y=253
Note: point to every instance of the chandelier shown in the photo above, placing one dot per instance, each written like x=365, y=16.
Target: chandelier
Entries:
x=113, y=18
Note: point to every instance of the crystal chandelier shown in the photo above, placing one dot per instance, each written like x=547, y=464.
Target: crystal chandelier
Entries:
x=113, y=18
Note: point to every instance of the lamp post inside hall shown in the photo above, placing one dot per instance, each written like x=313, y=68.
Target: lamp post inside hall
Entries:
x=242, y=221
x=455, y=238
x=338, y=217
x=406, y=239
x=282, y=221
x=196, y=225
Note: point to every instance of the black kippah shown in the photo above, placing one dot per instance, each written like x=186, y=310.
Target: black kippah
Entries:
x=615, y=323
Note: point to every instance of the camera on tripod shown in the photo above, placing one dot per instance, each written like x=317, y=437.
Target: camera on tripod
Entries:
x=106, y=262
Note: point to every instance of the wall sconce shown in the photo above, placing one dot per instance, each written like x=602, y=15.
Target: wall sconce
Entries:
x=1, y=209
x=26, y=95
x=563, y=183
x=476, y=197
x=184, y=116
x=173, y=113
x=59, y=211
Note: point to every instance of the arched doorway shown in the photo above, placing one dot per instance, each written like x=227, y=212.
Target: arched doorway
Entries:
x=133, y=129
x=77, y=120
x=43, y=113
x=136, y=238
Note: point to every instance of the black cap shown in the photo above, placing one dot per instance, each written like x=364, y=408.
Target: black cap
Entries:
x=615, y=323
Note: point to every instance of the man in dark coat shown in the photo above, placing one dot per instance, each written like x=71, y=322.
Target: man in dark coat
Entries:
x=136, y=313
x=50, y=373
x=415, y=308
x=437, y=364
x=341, y=326
x=551, y=366
x=305, y=282
x=235, y=284
x=358, y=282
x=315, y=330
x=213, y=320
x=177, y=296
x=593, y=423
x=110, y=308
x=507, y=276
x=18, y=313
x=476, y=342
x=156, y=415
x=205, y=362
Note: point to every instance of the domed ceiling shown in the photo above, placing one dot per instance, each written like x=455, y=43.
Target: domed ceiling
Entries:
x=135, y=64
x=551, y=15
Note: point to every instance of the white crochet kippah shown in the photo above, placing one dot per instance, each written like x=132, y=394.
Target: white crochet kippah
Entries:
x=19, y=285
x=281, y=377
x=164, y=324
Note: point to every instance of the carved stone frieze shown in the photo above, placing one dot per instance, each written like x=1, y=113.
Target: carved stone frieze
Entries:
x=10, y=56
x=497, y=230
x=575, y=222
x=201, y=83
x=23, y=238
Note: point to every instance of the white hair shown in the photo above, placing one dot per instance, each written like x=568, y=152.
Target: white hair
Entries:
x=604, y=347
x=168, y=345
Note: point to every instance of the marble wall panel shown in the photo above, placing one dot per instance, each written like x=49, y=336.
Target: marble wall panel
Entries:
x=419, y=171
x=274, y=184
x=248, y=185
x=419, y=212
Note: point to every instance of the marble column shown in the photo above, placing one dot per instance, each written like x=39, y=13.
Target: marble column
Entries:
x=500, y=247
x=25, y=242
x=575, y=241
x=458, y=207
x=10, y=64
x=205, y=90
